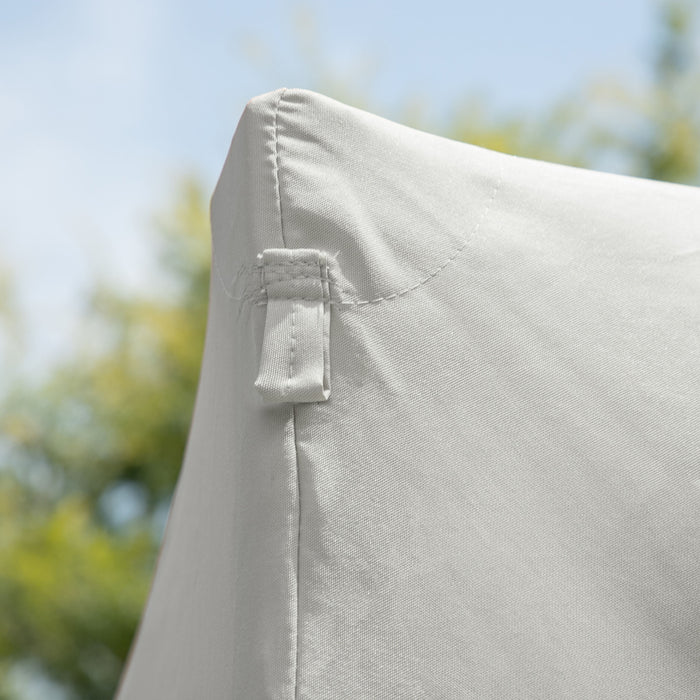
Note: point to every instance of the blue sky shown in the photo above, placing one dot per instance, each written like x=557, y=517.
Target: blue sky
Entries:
x=104, y=104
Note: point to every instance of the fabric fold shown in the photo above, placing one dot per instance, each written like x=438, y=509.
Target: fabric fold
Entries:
x=295, y=362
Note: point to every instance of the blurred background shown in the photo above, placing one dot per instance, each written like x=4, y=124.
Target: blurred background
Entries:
x=115, y=119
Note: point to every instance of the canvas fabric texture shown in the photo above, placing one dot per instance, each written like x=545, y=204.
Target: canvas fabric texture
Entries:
x=446, y=440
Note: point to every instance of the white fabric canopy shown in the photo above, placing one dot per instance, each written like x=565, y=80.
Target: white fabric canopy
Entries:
x=446, y=442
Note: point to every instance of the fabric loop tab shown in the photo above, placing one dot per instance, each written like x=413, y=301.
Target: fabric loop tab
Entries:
x=295, y=359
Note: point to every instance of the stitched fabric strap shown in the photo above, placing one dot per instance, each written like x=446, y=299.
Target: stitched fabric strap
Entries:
x=294, y=361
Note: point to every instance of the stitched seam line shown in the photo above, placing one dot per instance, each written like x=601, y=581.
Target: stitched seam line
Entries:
x=298, y=557
x=276, y=171
x=292, y=349
x=460, y=248
x=287, y=277
x=294, y=422
x=294, y=264
x=359, y=302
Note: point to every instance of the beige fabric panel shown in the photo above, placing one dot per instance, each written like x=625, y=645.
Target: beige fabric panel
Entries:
x=446, y=441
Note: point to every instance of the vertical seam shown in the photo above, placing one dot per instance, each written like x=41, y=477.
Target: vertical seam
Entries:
x=278, y=195
x=298, y=556
x=292, y=348
x=276, y=171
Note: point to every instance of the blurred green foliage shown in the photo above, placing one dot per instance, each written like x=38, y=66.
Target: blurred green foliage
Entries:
x=107, y=428
x=90, y=458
